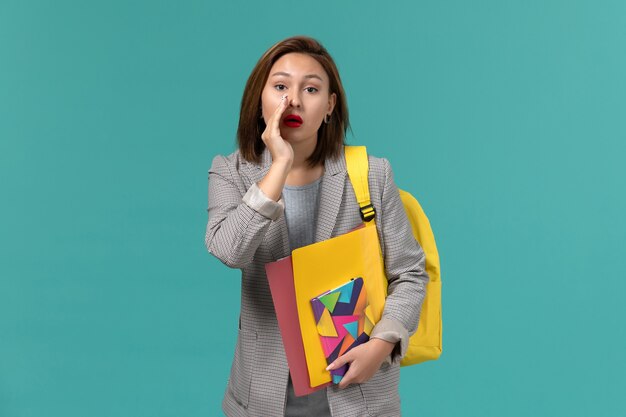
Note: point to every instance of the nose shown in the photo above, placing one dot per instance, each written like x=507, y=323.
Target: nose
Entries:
x=294, y=99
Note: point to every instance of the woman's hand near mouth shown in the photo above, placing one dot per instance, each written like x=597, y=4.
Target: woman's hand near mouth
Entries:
x=280, y=149
x=282, y=155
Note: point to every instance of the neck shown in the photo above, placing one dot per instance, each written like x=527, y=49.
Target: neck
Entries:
x=301, y=173
x=301, y=152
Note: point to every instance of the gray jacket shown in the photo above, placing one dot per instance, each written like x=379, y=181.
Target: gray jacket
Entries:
x=246, y=230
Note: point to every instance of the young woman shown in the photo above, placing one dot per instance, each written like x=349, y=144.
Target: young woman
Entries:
x=286, y=186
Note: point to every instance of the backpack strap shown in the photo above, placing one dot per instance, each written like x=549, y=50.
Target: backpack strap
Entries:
x=358, y=166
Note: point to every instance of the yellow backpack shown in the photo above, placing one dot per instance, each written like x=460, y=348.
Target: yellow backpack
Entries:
x=425, y=343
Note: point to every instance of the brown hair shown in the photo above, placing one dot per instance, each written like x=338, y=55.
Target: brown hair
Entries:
x=330, y=137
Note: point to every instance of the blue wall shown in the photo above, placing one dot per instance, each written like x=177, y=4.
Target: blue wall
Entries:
x=506, y=119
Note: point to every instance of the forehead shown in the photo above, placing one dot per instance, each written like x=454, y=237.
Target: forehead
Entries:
x=298, y=65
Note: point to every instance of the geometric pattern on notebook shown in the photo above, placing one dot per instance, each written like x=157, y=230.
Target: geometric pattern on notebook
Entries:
x=325, y=325
x=344, y=321
x=330, y=300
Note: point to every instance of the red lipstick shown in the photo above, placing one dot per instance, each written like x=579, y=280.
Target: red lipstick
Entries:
x=292, y=120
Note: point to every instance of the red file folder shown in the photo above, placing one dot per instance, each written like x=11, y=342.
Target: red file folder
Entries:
x=280, y=278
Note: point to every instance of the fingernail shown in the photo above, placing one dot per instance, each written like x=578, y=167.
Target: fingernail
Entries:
x=329, y=367
x=283, y=97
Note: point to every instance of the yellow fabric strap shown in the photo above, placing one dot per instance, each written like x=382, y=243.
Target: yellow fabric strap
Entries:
x=358, y=167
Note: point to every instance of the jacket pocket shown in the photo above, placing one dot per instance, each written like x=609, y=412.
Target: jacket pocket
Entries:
x=380, y=392
x=241, y=371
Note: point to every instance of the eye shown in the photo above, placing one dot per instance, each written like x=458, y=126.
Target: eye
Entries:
x=279, y=85
x=312, y=88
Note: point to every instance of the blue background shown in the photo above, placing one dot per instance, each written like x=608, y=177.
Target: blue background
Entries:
x=506, y=119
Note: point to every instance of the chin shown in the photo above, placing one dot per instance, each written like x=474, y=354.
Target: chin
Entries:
x=290, y=136
x=293, y=136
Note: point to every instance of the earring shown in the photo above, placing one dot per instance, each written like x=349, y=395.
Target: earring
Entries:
x=327, y=120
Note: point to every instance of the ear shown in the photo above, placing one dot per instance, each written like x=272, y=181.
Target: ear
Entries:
x=332, y=100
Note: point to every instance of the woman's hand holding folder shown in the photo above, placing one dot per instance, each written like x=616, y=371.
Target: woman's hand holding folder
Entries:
x=364, y=361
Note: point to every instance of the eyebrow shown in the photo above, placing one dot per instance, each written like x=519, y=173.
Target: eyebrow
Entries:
x=286, y=74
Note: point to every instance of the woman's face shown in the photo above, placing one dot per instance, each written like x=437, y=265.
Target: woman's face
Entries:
x=306, y=83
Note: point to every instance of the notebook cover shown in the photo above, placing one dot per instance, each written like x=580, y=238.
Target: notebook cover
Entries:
x=341, y=321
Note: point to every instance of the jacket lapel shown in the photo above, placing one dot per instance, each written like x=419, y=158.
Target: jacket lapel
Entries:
x=330, y=196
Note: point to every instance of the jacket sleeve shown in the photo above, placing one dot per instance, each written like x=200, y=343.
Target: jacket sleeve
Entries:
x=236, y=224
x=405, y=268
